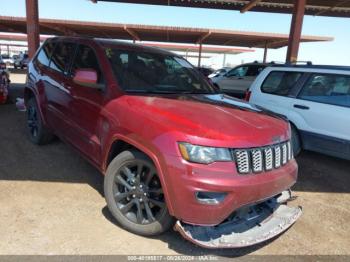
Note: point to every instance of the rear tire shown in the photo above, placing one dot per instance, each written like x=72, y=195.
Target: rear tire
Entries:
x=37, y=133
x=296, y=143
x=134, y=194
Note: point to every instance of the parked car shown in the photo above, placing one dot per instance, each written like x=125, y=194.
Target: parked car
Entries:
x=205, y=71
x=136, y=113
x=238, y=80
x=316, y=101
x=14, y=58
x=7, y=59
x=22, y=61
x=220, y=72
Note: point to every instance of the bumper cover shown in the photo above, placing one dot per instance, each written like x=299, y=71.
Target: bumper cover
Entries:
x=247, y=226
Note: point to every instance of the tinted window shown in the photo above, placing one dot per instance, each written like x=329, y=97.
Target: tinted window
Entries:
x=45, y=53
x=254, y=70
x=86, y=59
x=328, y=89
x=238, y=71
x=280, y=83
x=147, y=71
x=61, y=58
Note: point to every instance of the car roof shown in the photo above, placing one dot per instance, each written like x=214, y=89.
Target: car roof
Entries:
x=110, y=43
x=310, y=66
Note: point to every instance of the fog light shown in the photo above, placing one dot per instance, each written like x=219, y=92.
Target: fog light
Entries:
x=210, y=198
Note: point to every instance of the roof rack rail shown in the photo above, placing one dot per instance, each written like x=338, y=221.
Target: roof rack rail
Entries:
x=309, y=63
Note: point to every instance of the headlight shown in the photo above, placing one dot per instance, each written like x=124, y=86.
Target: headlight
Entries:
x=203, y=154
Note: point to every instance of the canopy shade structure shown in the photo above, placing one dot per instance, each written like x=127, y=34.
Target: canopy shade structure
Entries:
x=193, y=48
x=336, y=8
x=154, y=33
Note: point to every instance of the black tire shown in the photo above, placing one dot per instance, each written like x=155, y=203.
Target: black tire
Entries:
x=15, y=66
x=130, y=177
x=296, y=143
x=37, y=133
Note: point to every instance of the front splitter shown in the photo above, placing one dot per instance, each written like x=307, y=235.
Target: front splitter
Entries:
x=246, y=227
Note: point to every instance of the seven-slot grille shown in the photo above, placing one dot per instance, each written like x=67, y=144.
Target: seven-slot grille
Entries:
x=263, y=158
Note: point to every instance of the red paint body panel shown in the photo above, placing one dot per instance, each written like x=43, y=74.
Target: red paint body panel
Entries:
x=92, y=120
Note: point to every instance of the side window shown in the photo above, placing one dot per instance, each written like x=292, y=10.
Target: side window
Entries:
x=254, y=70
x=61, y=58
x=86, y=59
x=238, y=71
x=45, y=53
x=328, y=89
x=280, y=83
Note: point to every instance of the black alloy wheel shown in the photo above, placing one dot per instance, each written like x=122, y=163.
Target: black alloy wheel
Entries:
x=138, y=193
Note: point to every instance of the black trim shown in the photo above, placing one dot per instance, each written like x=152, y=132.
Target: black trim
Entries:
x=328, y=145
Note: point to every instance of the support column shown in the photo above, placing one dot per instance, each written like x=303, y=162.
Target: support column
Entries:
x=200, y=54
x=265, y=52
x=224, y=61
x=295, y=31
x=32, y=26
x=8, y=50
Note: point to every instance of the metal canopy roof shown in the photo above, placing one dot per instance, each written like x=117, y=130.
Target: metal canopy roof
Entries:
x=154, y=33
x=172, y=47
x=337, y=8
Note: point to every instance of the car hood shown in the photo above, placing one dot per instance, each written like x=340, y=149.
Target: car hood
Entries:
x=212, y=118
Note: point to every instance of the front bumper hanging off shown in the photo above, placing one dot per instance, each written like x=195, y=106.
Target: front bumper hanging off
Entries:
x=247, y=226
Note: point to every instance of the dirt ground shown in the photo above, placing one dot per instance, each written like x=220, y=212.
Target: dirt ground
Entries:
x=52, y=203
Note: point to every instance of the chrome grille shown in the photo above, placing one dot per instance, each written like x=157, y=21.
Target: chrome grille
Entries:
x=268, y=158
x=277, y=156
x=257, y=160
x=242, y=160
x=262, y=159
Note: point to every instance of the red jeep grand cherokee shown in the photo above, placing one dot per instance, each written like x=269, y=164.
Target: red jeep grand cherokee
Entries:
x=170, y=146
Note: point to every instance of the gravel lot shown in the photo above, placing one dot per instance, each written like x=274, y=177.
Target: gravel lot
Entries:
x=52, y=203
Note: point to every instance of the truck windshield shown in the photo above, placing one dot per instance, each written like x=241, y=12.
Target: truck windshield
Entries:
x=152, y=72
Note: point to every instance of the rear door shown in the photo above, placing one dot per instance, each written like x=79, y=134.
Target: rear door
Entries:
x=58, y=93
x=324, y=103
x=275, y=93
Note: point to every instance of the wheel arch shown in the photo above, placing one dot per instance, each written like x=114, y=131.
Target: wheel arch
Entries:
x=121, y=143
x=31, y=93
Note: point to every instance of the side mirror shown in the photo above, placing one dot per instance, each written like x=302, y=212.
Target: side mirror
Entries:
x=86, y=77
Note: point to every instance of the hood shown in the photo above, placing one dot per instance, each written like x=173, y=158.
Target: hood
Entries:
x=205, y=118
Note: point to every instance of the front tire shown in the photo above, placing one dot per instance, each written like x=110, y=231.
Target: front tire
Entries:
x=37, y=133
x=135, y=196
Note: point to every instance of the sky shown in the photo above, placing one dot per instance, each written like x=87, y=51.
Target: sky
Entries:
x=336, y=52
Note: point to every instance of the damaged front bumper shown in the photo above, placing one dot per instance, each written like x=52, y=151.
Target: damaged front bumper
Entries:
x=247, y=226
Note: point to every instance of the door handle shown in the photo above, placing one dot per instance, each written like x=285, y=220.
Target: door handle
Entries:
x=302, y=107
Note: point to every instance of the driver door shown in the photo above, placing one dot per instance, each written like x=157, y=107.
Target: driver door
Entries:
x=87, y=104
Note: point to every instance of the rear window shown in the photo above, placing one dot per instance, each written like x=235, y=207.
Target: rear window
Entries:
x=280, y=83
x=327, y=89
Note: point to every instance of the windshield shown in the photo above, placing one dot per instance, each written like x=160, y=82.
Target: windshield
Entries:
x=152, y=72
